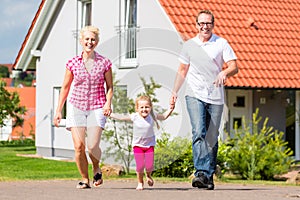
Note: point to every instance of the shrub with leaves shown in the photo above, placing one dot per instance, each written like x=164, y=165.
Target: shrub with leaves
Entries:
x=10, y=107
x=222, y=157
x=256, y=153
x=17, y=143
x=173, y=158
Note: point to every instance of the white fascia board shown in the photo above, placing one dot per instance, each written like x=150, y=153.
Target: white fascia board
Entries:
x=36, y=34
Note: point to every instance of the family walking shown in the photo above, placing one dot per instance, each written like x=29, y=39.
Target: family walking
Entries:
x=89, y=104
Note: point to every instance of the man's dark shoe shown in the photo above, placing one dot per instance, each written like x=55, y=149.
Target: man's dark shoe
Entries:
x=210, y=184
x=200, y=181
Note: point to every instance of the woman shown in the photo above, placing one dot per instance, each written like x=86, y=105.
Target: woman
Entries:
x=89, y=104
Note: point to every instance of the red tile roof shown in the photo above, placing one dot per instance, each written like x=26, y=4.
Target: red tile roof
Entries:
x=268, y=51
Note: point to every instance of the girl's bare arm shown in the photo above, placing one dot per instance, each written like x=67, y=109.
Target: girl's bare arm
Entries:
x=122, y=117
x=165, y=115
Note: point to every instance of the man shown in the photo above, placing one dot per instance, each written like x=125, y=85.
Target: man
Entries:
x=201, y=62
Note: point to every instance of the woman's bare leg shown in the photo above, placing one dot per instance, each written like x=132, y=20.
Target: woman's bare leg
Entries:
x=93, y=141
x=78, y=135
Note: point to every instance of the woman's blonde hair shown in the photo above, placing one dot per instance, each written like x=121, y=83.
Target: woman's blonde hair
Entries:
x=92, y=29
x=146, y=98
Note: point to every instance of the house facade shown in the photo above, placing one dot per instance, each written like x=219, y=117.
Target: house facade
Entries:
x=144, y=38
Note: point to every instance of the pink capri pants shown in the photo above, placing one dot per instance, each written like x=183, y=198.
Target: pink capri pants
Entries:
x=144, y=158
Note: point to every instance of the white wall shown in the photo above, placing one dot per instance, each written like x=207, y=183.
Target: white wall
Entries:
x=59, y=47
x=158, y=48
x=297, y=127
x=6, y=130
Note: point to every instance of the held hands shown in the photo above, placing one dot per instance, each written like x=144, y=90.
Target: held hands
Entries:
x=106, y=109
x=221, y=79
x=173, y=101
x=58, y=116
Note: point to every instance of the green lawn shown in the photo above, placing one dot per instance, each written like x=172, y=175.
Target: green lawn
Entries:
x=14, y=167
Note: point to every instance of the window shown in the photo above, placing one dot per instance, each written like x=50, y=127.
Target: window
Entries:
x=56, y=91
x=84, y=18
x=240, y=101
x=84, y=13
x=120, y=100
x=130, y=23
x=128, y=32
x=237, y=122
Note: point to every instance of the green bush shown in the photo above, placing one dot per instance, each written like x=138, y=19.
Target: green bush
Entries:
x=173, y=158
x=255, y=153
x=16, y=143
x=222, y=157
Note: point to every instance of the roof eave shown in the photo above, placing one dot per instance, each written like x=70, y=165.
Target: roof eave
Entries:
x=35, y=35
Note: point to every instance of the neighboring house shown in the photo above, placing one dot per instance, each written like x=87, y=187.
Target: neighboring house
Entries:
x=9, y=67
x=27, y=130
x=27, y=99
x=143, y=38
x=7, y=80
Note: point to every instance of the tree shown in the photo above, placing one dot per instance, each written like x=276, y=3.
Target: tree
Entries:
x=119, y=136
x=4, y=72
x=10, y=107
x=150, y=89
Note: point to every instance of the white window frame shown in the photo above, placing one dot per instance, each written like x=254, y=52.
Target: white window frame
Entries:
x=56, y=92
x=128, y=31
x=84, y=13
x=84, y=18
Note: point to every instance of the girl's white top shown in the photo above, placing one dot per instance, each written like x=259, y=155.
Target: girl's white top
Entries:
x=143, y=130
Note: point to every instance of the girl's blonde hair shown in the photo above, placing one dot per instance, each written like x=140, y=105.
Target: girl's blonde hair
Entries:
x=92, y=29
x=146, y=98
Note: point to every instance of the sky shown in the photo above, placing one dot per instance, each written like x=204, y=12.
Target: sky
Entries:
x=15, y=20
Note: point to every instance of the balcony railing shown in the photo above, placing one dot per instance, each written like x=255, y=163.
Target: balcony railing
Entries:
x=130, y=43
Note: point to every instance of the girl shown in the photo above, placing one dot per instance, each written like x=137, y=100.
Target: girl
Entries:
x=143, y=137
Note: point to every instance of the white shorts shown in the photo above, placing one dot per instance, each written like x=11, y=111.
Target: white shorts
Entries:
x=80, y=118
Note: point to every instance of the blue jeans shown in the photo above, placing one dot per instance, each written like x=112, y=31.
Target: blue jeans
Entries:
x=205, y=119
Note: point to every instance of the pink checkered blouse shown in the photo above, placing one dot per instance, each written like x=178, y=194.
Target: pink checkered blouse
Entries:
x=88, y=88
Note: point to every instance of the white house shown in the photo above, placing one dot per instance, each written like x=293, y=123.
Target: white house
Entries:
x=143, y=38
